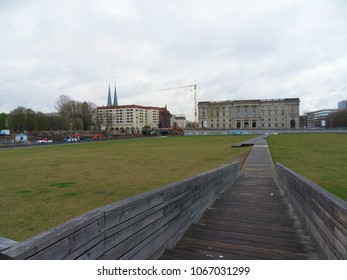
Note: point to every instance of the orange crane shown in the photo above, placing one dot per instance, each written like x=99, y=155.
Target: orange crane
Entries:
x=194, y=90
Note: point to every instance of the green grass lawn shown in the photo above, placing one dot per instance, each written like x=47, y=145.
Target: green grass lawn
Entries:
x=41, y=187
x=321, y=158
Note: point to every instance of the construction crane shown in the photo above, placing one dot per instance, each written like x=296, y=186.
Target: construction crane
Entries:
x=194, y=90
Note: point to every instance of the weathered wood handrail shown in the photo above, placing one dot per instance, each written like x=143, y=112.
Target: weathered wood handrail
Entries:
x=140, y=227
x=322, y=214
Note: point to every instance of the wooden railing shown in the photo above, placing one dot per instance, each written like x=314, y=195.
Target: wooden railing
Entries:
x=140, y=227
x=323, y=215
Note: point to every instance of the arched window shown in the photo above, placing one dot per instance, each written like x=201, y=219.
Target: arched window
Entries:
x=292, y=124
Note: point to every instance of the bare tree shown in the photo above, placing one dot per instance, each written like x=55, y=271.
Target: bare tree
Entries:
x=338, y=119
x=75, y=115
x=65, y=110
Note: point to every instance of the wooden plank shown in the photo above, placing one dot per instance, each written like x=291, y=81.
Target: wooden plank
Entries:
x=32, y=246
x=6, y=243
x=201, y=233
x=114, y=216
x=193, y=197
x=115, y=250
x=159, y=240
x=322, y=213
x=249, y=221
x=90, y=250
x=150, y=214
x=336, y=230
x=163, y=208
x=66, y=246
x=124, y=238
x=184, y=206
x=312, y=193
x=165, y=238
x=220, y=250
x=328, y=237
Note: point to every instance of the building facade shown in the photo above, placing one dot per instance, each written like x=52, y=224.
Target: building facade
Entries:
x=130, y=117
x=342, y=105
x=126, y=117
x=180, y=120
x=164, y=118
x=249, y=114
x=320, y=118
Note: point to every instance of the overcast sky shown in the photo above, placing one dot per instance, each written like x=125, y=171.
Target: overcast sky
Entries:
x=234, y=49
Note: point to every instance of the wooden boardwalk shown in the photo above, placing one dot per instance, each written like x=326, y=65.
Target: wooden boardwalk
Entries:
x=251, y=220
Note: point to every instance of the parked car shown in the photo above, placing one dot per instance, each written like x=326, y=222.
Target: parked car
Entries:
x=44, y=141
x=70, y=139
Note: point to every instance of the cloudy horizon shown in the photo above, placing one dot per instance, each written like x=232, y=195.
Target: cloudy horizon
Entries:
x=236, y=49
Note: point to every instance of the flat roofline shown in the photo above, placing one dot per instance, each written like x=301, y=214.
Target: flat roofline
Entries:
x=133, y=106
x=252, y=100
x=322, y=110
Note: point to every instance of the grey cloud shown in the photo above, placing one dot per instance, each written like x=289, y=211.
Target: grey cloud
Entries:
x=234, y=49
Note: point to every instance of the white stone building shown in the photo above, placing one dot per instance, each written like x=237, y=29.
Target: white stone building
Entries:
x=249, y=114
x=180, y=120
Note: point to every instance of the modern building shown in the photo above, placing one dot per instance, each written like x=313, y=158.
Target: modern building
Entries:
x=249, y=114
x=125, y=117
x=342, y=105
x=320, y=118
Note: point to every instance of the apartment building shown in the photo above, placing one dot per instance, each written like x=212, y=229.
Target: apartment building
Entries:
x=130, y=117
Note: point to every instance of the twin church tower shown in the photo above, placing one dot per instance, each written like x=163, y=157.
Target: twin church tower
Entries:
x=115, y=99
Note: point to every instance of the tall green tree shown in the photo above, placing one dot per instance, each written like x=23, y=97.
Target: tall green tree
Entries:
x=54, y=122
x=26, y=119
x=3, y=122
x=41, y=121
x=30, y=119
x=17, y=120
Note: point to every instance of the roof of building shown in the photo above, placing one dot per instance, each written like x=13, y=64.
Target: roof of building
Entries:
x=251, y=101
x=322, y=112
x=132, y=106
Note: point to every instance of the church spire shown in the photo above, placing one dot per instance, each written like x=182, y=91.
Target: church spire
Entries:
x=115, y=100
x=109, y=101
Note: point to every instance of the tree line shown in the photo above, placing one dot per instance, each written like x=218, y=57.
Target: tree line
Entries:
x=337, y=119
x=70, y=115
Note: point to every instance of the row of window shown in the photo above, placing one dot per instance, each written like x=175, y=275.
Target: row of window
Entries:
x=230, y=120
x=100, y=117
x=110, y=120
x=130, y=110
x=250, y=110
x=248, y=107
x=245, y=114
x=245, y=125
x=133, y=121
x=126, y=122
x=141, y=118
